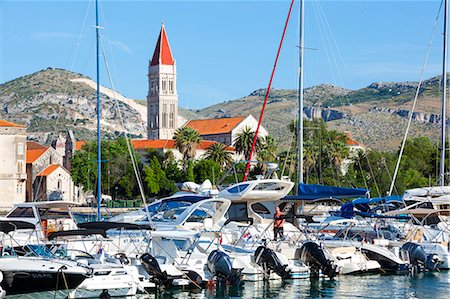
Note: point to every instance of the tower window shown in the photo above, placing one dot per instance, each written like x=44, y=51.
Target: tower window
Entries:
x=164, y=116
x=19, y=166
x=20, y=148
x=164, y=86
x=152, y=88
x=171, y=86
x=171, y=116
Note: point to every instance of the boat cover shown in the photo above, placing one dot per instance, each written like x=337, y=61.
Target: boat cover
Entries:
x=314, y=192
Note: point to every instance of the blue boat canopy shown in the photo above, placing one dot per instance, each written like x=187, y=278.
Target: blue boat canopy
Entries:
x=314, y=192
x=374, y=200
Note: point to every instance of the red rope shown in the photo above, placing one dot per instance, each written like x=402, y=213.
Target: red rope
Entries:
x=267, y=92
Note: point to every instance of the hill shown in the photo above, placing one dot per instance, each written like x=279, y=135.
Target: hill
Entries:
x=54, y=100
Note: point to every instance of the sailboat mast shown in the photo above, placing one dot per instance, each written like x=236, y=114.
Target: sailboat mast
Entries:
x=444, y=91
x=99, y=155
x=300, y=98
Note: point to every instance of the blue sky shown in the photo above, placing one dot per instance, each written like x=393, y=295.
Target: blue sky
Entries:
x=224, y=49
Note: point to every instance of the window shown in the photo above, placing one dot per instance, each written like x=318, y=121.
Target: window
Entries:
x=171, y=86
x=164, y=116
x=171, y=116
x=171, y=120
x=19, y=166
x=164, y=86
x=238, y=211
x=238, y=188
x=152, y=88
x=20, y=148
x=21, y=212
x=59, y=185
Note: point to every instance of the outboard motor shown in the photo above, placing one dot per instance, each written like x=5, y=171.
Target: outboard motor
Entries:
x=419, y=259
x=151, y=265
x=312, y=255
x=267, y=258
x=219, y=263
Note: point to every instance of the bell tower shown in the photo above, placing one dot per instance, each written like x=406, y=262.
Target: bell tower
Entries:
x=162, y=98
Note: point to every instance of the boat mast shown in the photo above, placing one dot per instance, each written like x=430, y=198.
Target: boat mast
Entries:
x=300, y=99
x=444, y=91
x=99, y=155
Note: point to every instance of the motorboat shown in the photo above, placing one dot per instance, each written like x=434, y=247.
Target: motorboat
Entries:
x=22, y=275
x=45, y=216
x=107, y=280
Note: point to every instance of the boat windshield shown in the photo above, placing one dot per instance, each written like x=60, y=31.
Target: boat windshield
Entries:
x=38, y=250
x=168, y=210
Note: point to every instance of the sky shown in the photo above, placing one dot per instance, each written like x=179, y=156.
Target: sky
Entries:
x=224, y=50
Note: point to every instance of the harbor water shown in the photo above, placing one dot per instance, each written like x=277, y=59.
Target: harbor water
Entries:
x=434, y=285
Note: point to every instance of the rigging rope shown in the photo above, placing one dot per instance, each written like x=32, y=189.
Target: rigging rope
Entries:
x=267, y=92
x=397, y=166
x=130, y=151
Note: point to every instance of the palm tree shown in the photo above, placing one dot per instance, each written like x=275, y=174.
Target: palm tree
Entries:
x=187, y=141
x=244, y=140
x=337, y=148
x=268, y=150
x=218, y=152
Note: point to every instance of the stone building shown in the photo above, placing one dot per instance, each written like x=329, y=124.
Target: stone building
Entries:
x=225, y=130
x=39, y=157
x=162, y=98
x=12, y=164
x=54, y=183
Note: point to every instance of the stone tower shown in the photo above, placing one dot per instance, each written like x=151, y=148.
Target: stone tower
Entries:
x=162, y=98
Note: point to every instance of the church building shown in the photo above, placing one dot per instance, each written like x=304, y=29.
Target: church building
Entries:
x=162, y=107
x=162, y=98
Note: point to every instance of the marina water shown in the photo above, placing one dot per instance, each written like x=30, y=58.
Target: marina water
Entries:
x=434, y=285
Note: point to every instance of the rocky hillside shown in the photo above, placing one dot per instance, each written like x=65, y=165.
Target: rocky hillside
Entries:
x=376, y=115
x=52, y=100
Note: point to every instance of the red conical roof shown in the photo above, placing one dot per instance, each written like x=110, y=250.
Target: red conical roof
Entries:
x=162, y=54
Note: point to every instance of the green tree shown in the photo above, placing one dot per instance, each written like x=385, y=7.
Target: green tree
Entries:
x=218, y=152
x=190, y=172
x=268, y=149
x=117, y=171
x=156, y=179
x=186, y=141
x=206, y=169
x=244, y=141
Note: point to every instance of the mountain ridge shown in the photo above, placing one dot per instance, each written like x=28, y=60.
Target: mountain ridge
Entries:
x=52, y=100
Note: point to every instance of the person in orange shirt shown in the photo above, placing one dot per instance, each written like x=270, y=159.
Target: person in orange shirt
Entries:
x=278, y=224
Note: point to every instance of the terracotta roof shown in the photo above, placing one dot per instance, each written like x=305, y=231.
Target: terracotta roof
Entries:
x=49, y=170
x=34, y=154
x=215, y=125
x=350, y=141
x=170, y=144
x=32, y=145
x=79, y=145
x=4, y=123
x=162, y=54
